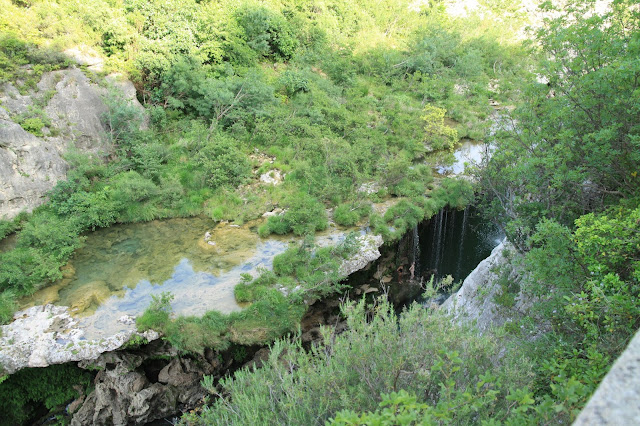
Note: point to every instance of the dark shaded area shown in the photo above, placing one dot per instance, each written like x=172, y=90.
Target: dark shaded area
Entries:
x=33, y=395
x=453, y=242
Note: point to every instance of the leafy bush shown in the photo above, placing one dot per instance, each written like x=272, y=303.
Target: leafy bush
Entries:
x=33, y=125
x=223, y=163
x=15, y=53
x=418, y=352
x=8, y=306
x=348, y=214
x=157, y=315
x=267, y=32
x=304, y=215
x=24, y=392
x=294, y=82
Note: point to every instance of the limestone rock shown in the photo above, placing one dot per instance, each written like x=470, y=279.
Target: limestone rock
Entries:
x=475, y=301
x=125, y=394
x=86, y=56
x=45, y=335
x=617, y=399
x=152, y=403
x=367, y=253
x=30, y=166
x=176, y=373
x=273, y=177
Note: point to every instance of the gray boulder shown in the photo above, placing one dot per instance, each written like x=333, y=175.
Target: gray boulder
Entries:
x=30, y=166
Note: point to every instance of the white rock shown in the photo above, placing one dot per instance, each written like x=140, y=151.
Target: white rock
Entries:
x=45, y=335
x=127, y=319
x=274, y=177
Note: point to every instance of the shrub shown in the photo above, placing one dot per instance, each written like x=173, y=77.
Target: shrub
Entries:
x=418, y=352
x=157, y=315
x=223, y=163
x=24, y=392
x=304, y=215
x=8, y=306
x=33, y=125
x=348, y=214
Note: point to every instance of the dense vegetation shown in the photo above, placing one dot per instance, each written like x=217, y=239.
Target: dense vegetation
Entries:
x=36, y=391
x=563, y=184
x=339, y=96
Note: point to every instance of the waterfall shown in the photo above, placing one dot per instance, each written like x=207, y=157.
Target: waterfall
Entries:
x=438, y=239
x=463, y=231
x=453, y=243
x=415, y=261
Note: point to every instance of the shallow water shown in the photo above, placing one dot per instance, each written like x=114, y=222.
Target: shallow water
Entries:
x=121, y=267
x=467, y=152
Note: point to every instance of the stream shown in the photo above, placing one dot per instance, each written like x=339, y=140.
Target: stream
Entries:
x=114, y=276
x=121, y=267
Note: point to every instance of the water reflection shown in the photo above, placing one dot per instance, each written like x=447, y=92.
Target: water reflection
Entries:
x=121, y=267
x=467, y=151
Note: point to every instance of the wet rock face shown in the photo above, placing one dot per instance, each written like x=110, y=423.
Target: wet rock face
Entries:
x=126, y=394
x=30, y=166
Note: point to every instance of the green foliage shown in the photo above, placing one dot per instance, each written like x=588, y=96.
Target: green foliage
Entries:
x=438, y=135
x=33, y=125
x=16, y=52
x=267, y=33
x=8, y=306
x=572, y=150
x=396, y=408
x=191, y=334
x=348, y=214
x=134, y=342
x=304, y=215
x=223, y=163
x=591, y=305
x=417, y=353
x=122, y=121
x=7, y=227
x=27, y=390
x=294, y=81
x=157, y=315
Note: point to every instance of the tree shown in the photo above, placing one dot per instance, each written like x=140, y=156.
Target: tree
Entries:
x=574, y=146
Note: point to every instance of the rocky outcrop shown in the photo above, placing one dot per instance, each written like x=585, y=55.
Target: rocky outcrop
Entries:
x=30, y=166
x=617, y=399
x=46, y=335
x=368, y=251
x=136, y=388
x=476, y=300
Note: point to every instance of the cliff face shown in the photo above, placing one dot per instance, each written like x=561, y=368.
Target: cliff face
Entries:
x=476, y=301
x=31, y=165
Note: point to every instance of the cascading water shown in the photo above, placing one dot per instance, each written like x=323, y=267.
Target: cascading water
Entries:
x=465, y=217
x=454, y=242
x=415, y=255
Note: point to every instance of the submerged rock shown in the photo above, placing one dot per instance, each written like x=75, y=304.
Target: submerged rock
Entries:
x=93, y=293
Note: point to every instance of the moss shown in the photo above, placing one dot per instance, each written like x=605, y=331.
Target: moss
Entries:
x=26, y=392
